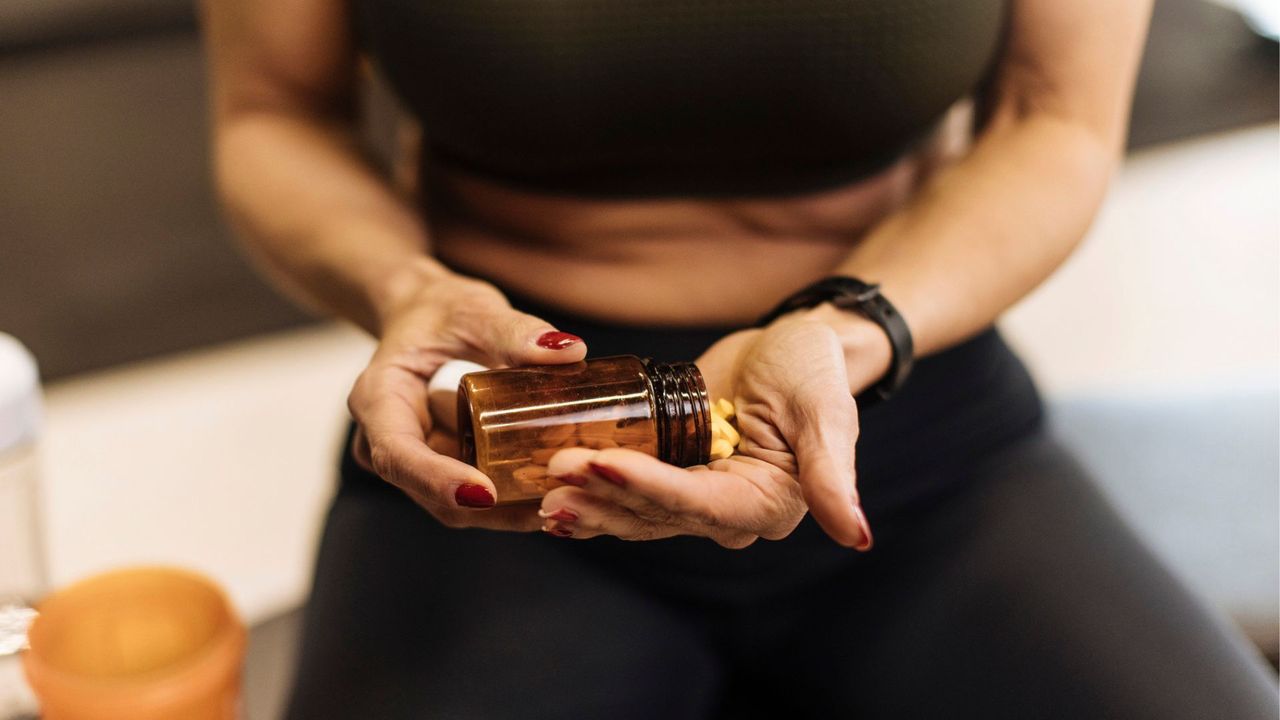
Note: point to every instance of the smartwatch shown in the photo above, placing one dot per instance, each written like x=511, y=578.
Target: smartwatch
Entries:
x=864, y=298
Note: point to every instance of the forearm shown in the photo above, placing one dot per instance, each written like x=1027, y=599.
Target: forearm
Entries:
x=987, y=230
x=318, y=220
x=981, y=235
x=991, y=227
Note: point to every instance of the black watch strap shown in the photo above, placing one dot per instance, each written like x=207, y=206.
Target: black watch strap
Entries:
x=864, y=298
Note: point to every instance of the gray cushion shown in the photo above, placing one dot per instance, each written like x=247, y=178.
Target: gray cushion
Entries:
x=1204, y=70
x=1197, y=474
x=27, y=23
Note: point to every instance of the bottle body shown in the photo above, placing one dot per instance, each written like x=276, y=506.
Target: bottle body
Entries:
x=22, y=572
x=22, y=559
x=512, y=421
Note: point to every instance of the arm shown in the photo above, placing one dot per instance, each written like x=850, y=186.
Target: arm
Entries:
x=985, y=231
x=288, y=168
x=332, y=233
x=981, y=235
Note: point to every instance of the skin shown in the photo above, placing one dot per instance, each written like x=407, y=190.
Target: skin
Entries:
x=955, y=235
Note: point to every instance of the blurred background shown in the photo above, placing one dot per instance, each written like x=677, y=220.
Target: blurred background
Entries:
x=192, y=417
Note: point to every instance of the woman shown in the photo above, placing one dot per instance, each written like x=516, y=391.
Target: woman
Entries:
x=652, y=180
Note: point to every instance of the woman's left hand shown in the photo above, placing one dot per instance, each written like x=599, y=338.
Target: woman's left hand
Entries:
x=798, y=422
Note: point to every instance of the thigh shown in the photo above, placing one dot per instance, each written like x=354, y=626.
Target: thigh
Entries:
x=408, y=619
x=1023, y=595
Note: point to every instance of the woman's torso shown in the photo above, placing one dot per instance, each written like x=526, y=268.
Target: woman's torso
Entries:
x=683, y=163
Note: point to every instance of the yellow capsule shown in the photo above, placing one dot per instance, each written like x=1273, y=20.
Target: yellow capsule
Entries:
x=721, y=429
x=720, y=449
x=725, y=407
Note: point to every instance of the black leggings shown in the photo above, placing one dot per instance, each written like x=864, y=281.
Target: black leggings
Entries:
x=1001, y=586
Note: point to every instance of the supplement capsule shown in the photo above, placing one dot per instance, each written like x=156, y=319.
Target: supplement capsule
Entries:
x=724, y=436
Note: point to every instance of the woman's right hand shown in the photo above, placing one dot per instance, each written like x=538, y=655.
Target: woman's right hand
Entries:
x=447, y=318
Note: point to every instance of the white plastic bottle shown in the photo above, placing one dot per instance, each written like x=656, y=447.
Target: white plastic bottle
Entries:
x=22, y=561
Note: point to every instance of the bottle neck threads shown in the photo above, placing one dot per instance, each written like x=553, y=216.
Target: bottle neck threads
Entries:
x=683, y=412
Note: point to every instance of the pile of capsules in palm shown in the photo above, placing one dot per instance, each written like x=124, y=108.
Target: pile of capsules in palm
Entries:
x=724, y=436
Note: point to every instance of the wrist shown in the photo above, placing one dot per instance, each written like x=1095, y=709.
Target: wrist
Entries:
x=401, y=285
x=868, y=352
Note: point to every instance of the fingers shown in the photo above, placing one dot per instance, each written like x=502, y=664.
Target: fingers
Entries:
x=571, y=512
x=725, y=506
x=360, y=449
x=514, y=338
x=445, y=443
x=501, y=336
x=439, y=441
x=514, y=518
x=458, y=318
x=451, y=491
x=647, y=486
x=824, y=447
x=385, y=404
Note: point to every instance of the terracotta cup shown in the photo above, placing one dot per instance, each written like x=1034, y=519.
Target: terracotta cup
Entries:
x=142, y=643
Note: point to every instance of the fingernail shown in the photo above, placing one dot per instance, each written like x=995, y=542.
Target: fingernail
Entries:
x=572, y=479
x=474, y=496
x=609, y=474
x=558, y=531
x=556, y=340
x=863, y=525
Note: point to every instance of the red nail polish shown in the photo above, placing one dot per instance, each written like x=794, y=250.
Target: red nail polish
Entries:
x=609, y=474
x=564, y=515
x=865, y=527
x=572, y=479
x=556, y=340
x=473, y=496
x=559, y=531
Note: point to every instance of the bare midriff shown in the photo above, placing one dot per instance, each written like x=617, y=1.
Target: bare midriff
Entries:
x=664, y=261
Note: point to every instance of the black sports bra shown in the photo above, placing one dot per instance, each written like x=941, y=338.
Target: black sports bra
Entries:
x=699, y=97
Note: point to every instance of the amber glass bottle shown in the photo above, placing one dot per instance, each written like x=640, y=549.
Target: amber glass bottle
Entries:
x=511, y=421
